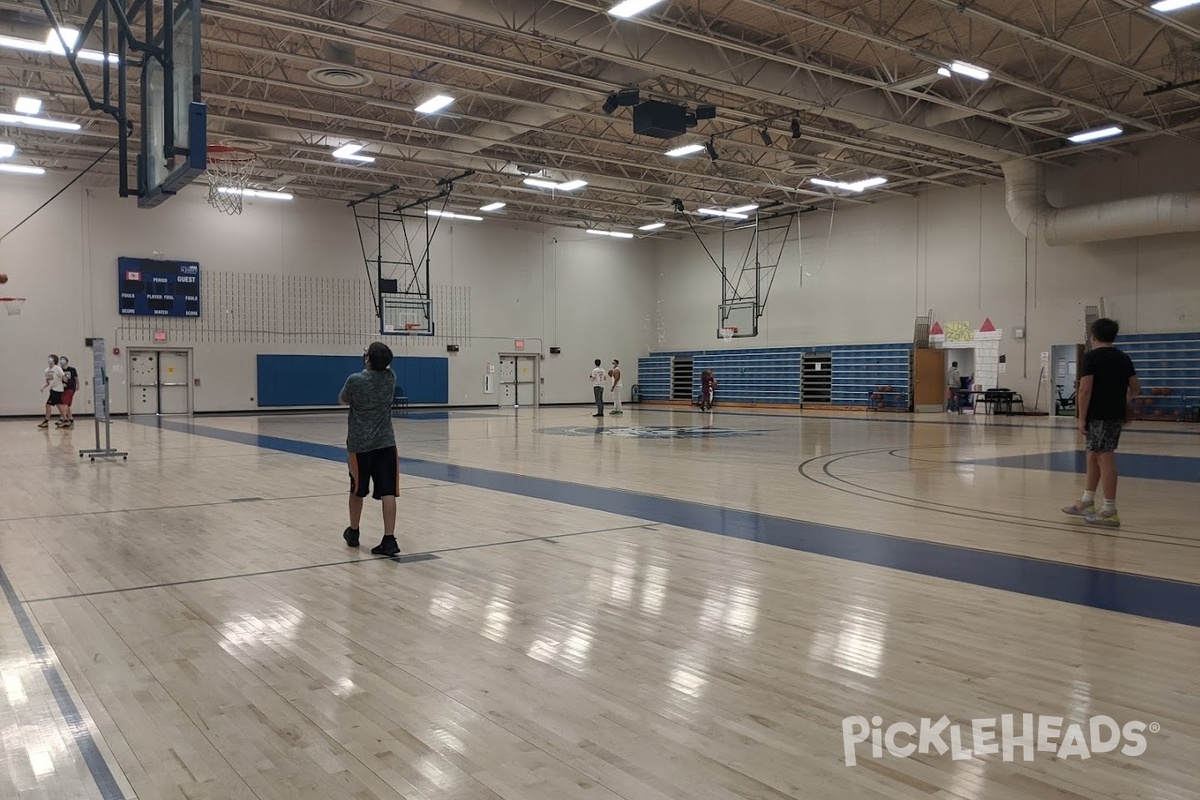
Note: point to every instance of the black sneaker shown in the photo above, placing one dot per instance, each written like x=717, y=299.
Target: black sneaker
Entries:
x=387, y=547
x=44, y=424
x=351, y=536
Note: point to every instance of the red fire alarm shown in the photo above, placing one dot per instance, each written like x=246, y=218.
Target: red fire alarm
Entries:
x=116, y=351
x=519, y=344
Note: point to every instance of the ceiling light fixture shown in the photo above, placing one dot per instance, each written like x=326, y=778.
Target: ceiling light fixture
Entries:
x=7, y=150
x=685, y=150
x=746, y=209
x=452, y=215
x=1096, y=133
x=970, y=70
x=630, y=8
x=1173, y=5
x=493, y=206
x=568, y=186
x=54, y=46
x=796, y=132
x=38, y=122
x=653, y=226
x=857, y=186
x=716, y=212
x=21, y=169
x=257, y=193
x=350, y=152
x=434, y=104
x=712, y=150
x=945, y=73
x=613, y=234
x=28, y=105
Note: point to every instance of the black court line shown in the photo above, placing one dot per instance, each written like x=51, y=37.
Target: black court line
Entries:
x=405, y=558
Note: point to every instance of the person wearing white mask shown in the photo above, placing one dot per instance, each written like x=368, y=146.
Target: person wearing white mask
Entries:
x=54, y=381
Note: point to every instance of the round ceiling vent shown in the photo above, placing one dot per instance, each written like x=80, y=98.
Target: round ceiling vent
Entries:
x=1031, y=116
x=804, y=169
x=257, y=145
x=339, y=77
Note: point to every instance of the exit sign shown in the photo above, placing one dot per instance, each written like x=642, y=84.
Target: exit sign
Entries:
x=519, y=344
x=160, y=336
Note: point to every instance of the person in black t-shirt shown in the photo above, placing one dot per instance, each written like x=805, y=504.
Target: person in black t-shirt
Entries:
x=70, y=385
x=1107, y=384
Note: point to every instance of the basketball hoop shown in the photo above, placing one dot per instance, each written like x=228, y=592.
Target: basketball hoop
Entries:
x=728, y=333
x=12, y=305
x=229, y=172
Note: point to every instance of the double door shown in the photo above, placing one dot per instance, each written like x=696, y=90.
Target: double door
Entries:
x=159, y=382
x=518, y=379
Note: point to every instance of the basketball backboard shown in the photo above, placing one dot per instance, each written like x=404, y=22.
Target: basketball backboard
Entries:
x=174, y=120
x=741, y=315
x=405, y=315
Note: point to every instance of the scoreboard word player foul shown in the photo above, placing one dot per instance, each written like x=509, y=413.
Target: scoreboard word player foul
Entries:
x=153, y=288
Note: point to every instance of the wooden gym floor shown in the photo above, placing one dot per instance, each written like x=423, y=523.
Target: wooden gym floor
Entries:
x=673, y=605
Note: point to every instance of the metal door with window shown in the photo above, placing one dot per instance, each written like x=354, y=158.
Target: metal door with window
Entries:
x=159, y=382
x=518, y=380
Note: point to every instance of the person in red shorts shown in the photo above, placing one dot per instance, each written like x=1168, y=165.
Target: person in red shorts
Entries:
x=70, y=384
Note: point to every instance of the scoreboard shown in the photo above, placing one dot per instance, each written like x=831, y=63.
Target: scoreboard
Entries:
x=152, y=288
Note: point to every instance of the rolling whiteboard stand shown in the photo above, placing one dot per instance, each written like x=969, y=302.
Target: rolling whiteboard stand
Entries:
x=100, y=394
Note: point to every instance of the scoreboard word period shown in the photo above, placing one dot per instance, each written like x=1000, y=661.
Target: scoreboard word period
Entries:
x=152, y=288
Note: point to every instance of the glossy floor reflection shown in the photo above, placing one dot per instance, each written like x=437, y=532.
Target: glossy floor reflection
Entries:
x=672, y=606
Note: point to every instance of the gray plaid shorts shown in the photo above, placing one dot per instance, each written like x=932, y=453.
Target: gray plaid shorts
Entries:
x=1103, y=435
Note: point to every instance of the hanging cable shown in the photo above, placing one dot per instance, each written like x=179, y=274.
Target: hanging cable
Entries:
x=74, y=180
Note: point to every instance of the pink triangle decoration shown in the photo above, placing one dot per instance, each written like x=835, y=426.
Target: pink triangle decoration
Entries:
x=936, y=330
x=987, y=327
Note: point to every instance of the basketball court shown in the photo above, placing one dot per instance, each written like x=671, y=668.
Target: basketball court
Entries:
x=826, y=588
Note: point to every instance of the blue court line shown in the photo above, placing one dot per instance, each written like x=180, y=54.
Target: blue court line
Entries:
x=993, y=420
x=1139, y=595
x=101, y=774
x=1129, y=465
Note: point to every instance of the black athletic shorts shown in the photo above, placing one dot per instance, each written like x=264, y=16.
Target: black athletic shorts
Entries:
x=378, y=468
x=55, y=398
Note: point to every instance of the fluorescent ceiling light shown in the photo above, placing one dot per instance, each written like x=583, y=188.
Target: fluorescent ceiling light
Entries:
x=38, y=122
x=945, y=73
x=257, y=193
x=858, y=186
x=493, y=206
x=434, y=104
x=614, y=234
x=54, y=42
x=1173, y=5
x=569, y=186
x=28, y=105
x=963, y=68
x=53, y=45
x=350, y=153
x=451, y=215
x=21, y=169
x=744, y=209
x=7, y=150
x=686, y=150
x=1097, y=133
x=629, y=8
x=653, y=226
x=716, y=212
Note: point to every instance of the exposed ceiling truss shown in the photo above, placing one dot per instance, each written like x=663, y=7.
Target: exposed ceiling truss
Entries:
x=530, y=77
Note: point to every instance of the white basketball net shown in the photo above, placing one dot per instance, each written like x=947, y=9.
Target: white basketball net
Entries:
x=727, y=334
x=12, y=305
x=229, y=173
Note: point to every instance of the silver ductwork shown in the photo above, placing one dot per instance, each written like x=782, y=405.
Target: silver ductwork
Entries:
x=1031, y=213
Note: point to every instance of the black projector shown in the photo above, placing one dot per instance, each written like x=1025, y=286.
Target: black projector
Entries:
x=658, y=119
